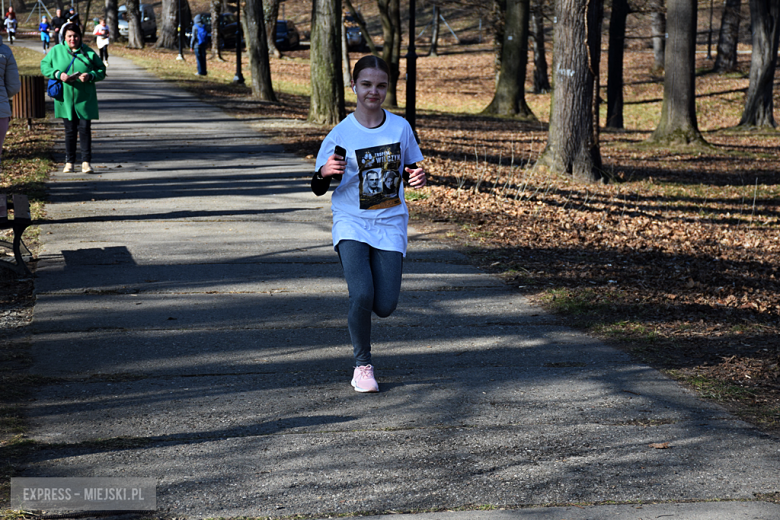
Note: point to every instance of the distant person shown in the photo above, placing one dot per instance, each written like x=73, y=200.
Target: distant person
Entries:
x=369, y=232
x=79, y=68
x=9, y=86
x=199, y=43
x=56, y=24
x=10, y=24
x=73, y=17
x=101, y=33
x=44, y=27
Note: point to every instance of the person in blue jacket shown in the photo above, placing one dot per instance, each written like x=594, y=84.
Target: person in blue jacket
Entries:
x=43, y=28
x=199, y=42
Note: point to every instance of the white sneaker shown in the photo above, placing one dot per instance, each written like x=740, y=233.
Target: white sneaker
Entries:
x=68, y=167
x=86, y=168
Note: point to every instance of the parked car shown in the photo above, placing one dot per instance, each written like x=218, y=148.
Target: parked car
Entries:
x=287, y=37
x=148, y=22
x=227, y=28
x=355, y=38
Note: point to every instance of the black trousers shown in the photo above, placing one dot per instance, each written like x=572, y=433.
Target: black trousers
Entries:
x=81, y=129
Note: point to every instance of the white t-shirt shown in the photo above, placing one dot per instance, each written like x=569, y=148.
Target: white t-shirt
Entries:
x=102, y=41
x=368, y=205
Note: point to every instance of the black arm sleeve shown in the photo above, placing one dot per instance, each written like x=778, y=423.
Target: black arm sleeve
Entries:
x=320, y=184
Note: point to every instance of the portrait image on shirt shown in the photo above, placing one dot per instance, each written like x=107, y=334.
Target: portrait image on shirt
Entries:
x=390, y=182
x=372, y=182
x=379, y=176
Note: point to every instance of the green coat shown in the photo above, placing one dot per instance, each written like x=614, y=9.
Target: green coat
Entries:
x=79, y=99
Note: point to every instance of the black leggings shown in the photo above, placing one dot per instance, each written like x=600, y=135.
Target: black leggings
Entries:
x=80, y=129
x=104, y=53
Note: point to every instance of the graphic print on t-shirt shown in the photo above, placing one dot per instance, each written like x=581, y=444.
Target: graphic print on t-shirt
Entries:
x=378, y=171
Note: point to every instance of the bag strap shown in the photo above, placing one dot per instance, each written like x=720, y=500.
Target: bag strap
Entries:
x=71, y=64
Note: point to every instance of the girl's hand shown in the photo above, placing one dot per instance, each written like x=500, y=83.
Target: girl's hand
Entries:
x=416, y=177
x=334, y=166
x=83, y=77
x=64, y=77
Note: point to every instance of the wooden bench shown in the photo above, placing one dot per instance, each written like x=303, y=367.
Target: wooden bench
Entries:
x=22, y=219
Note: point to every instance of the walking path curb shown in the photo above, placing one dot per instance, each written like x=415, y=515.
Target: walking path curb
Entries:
x=191, y=319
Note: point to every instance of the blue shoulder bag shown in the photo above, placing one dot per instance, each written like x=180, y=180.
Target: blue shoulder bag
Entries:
x=54, y=89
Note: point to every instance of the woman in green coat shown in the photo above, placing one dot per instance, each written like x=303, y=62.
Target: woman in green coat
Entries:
x=79, y=105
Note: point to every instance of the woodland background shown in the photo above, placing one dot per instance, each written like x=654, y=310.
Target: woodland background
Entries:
x=673, y=259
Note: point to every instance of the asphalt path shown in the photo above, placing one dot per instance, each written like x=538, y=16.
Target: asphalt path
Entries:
x=191, y=322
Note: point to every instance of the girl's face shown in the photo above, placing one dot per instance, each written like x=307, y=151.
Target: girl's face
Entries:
x=371, y=88
x=73, y=40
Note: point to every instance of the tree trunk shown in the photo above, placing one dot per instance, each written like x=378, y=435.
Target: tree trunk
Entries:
x=112, y=19
x=257, y=49
x=391, y=49
x=573, y=137
x=499, y=26
x=658, y=30
x=435, y=32
x=135, y=36
x=362, y=24
x=327, y=85
x=617, y=39
x=509, y=99
x=541, y=81
x=86, y=18
x=271, y=15
x=678, y=113
x=169, y=17
x=345, y=70
x=726, y=60
x=765, y=19
x=215, y=8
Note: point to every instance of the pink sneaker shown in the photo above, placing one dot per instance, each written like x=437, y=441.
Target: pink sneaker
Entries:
x=363, y=379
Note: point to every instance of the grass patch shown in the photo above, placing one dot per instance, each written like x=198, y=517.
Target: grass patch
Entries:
x=628, y=331
x=717, y=390
x=413, y=195
x=577, y=301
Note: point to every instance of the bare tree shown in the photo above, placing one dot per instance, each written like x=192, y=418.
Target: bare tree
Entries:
x=86, y=16
x=759, y=108
x=135, y=36
x=215, y=10
x=363, y=28
x=327, y=85
x=435, y=31
x=541, y=81
x=345, y=68
x=509, y=98
x=726, y=60
x=617, y=39
x=390, y=11
x=658, y=30
x=678, y=113
x=112, y=18
x=257, y=49
x=573, y=137
x=271, y=15
x=169, y=17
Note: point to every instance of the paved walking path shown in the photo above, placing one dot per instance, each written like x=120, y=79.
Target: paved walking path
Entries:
x=191, y=315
